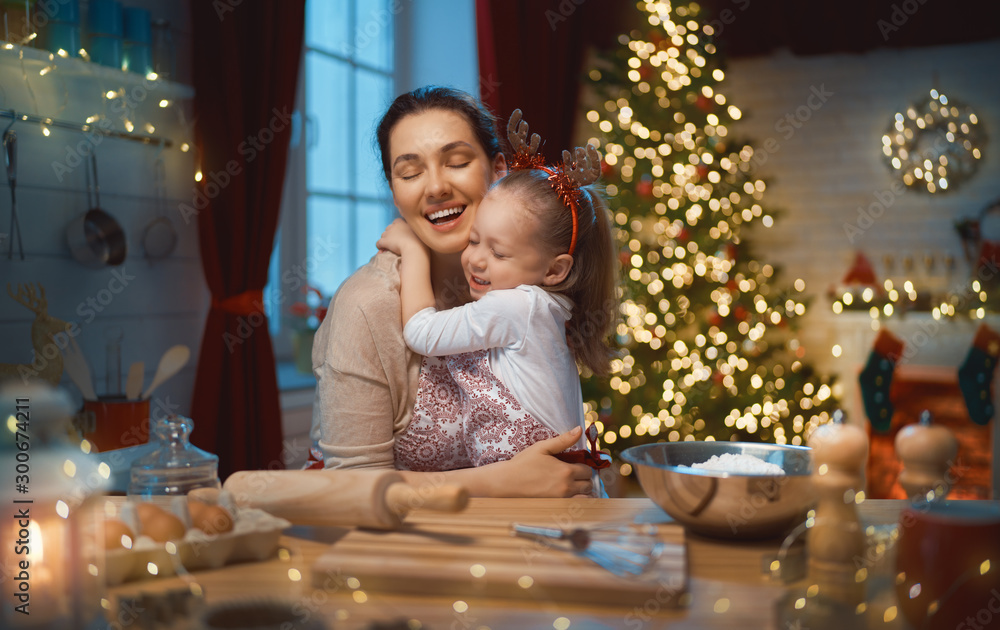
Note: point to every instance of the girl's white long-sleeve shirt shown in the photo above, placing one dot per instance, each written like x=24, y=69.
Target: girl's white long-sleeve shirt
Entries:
x=524, y=331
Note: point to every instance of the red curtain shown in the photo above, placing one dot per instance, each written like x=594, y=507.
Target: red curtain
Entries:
x=532, y=55
x=246, y=63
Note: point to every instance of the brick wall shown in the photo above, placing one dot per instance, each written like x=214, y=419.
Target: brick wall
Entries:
x=825, y=162
x=825, y=116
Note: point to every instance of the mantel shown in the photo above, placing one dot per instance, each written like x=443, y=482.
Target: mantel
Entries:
x=855, y=317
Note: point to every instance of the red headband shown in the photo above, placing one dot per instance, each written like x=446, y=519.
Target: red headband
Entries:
x=569, y=194
x=565, y=181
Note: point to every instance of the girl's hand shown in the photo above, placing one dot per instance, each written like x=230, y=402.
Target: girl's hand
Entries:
x=534, y=472
x=398, y=237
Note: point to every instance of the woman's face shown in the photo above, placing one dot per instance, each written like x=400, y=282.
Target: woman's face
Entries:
x=438, y=174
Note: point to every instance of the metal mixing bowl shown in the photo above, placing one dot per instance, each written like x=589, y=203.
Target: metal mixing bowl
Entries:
x=725, y=504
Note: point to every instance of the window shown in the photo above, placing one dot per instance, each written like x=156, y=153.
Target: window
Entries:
x=358, y=55
x=346, y=82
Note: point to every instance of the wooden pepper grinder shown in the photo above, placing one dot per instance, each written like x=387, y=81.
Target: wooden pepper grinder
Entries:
x=836, y=540
x=927, y=451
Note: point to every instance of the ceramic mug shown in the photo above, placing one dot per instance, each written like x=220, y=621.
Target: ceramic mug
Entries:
x=62, y=36
x=106, y=50
x=948, y=565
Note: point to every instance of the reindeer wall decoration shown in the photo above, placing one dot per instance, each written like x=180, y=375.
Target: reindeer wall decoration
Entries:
x=48, y=363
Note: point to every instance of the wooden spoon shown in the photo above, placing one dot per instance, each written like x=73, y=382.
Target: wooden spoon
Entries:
x=78, y=370
x=171, y=363
x=133, y=384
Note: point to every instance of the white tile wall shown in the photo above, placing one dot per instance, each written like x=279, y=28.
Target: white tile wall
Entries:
x=832, y=164
x=159, y=303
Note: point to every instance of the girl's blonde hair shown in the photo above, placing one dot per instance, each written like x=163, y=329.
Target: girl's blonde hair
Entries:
x=592, y=281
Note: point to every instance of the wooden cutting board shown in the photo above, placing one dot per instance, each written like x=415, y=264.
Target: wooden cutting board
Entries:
x=472, y=554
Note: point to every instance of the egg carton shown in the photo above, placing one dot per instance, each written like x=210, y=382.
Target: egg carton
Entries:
x=255, y=536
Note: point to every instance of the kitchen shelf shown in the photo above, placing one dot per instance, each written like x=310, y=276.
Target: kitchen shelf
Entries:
x=36, y=59
x=46, y=75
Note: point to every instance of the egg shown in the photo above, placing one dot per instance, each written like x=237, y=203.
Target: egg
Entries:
x=117, y=534
x=159, y=524
x=211, y=519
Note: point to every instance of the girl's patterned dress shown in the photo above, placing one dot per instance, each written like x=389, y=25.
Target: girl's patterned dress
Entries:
x=464, y=416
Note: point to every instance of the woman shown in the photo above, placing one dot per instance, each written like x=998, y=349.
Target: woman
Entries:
x=439, y=154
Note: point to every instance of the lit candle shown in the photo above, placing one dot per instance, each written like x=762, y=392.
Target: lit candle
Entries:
x=45, y=515
x=38, y=560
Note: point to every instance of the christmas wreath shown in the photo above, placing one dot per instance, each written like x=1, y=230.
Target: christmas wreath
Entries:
x=934, y=145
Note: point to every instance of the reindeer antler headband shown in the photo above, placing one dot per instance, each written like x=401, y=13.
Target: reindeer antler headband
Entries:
x=580, y=168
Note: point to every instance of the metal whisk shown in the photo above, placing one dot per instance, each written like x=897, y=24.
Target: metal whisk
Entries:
x=625, y=551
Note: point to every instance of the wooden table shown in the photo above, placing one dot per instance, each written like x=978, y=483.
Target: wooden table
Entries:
x=728, y=586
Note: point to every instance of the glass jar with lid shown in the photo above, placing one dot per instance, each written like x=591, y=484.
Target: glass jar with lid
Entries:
x=176, y=467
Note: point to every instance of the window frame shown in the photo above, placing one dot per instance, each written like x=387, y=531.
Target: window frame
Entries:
x=289, y=267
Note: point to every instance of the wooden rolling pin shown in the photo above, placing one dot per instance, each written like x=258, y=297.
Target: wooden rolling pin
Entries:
x=363, y=498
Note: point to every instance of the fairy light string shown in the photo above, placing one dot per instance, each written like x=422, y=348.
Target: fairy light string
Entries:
x=51, y=77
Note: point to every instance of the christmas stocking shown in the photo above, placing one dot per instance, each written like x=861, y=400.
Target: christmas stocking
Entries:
x=975, y=376
x=876, y=379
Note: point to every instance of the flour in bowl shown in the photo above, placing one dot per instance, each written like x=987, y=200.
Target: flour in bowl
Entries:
x=740, y=463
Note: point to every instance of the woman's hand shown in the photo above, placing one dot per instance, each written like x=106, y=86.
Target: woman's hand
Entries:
x=398, y=238
x=534, y=472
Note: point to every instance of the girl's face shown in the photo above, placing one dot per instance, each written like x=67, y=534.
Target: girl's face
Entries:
x=439, y=174
x=504, y=251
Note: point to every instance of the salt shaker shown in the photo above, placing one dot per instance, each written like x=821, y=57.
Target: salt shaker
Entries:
x=926, y=451
x=836, y=540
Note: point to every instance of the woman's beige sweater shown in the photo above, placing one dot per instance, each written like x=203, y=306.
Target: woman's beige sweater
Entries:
x=366, y=377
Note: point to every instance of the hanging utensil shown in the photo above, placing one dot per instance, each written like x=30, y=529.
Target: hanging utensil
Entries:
x=171, y=363
x=159, y=238
x=95, y=238
x=10, y=160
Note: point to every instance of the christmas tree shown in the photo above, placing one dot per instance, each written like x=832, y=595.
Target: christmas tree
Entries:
x=707, y=345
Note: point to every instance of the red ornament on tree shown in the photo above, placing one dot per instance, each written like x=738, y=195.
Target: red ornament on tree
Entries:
x=702, y=171
x=645, y=72
x=704, y=103
x=714, y=318
x=684, y=236
x=740, y=313
x=731, y=251
x=607, y=170
x=644, y=188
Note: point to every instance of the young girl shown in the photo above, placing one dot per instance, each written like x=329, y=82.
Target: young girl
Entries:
x=541, y=268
